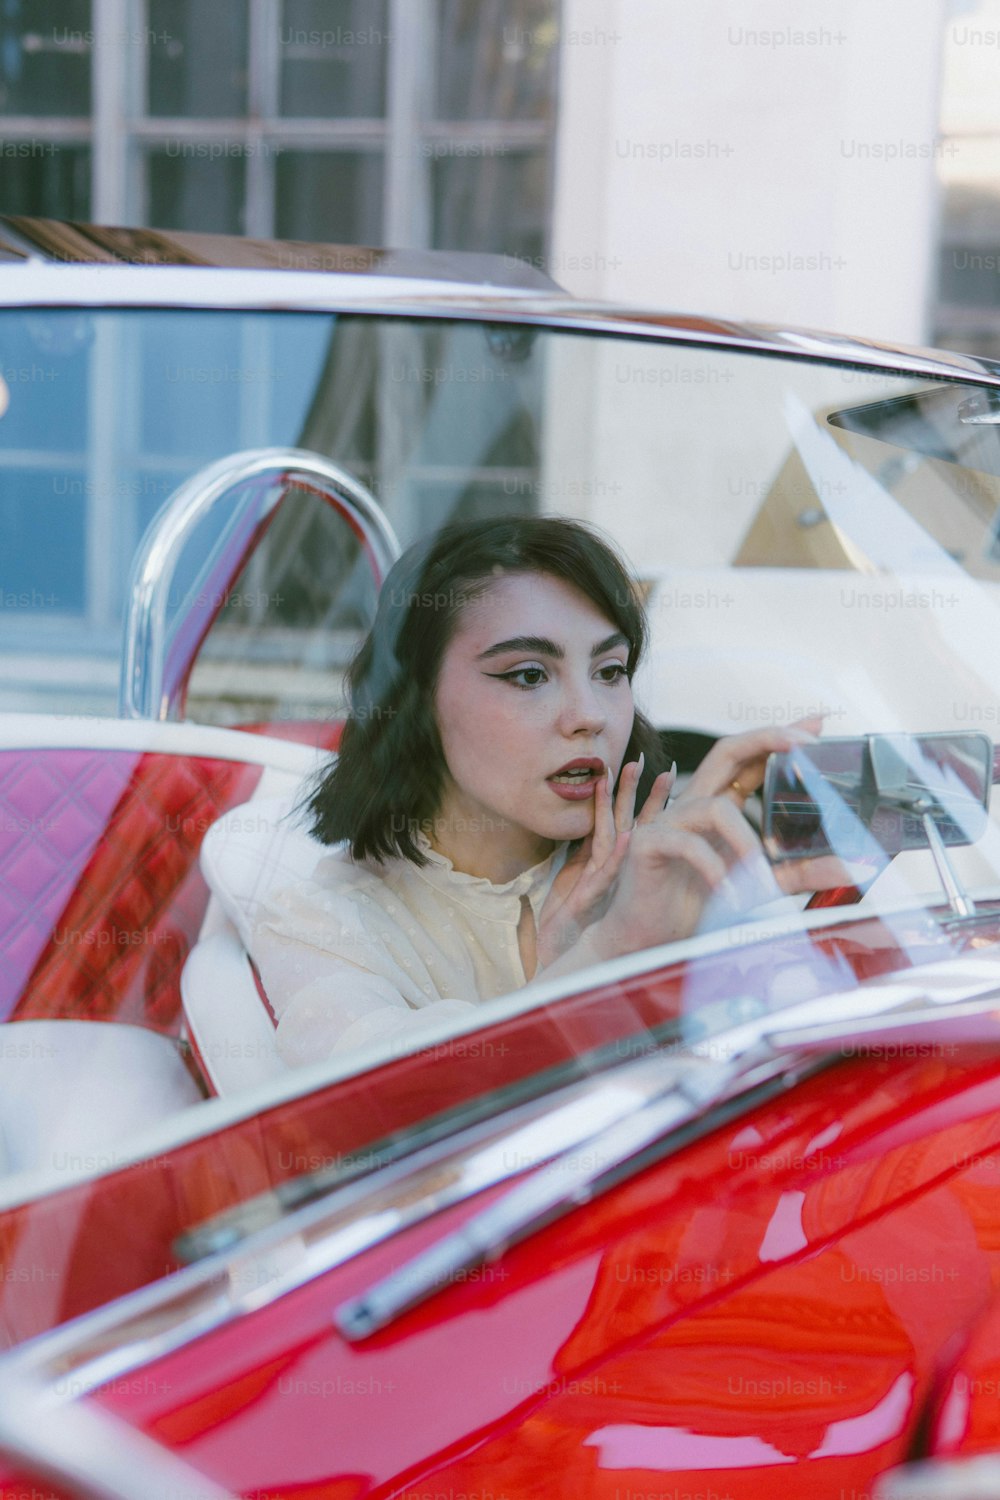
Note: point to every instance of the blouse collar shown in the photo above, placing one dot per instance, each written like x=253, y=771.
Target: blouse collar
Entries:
x=485, y=897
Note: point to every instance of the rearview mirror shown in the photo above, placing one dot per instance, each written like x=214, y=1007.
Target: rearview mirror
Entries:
x=873, y=795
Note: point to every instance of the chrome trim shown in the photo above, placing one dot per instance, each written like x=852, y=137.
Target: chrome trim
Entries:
x=570, y=1179
x=108, y=1343
x=41, y=284
x=959, y=899
x=485, y=1149
x=151, y=685
x=90, y=1452
x=66, y=732
x=725, y=1063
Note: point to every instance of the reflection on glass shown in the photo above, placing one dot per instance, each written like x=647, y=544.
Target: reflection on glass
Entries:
x=329, y=195
x=489, y=199
x=334, y=56
x=46, y=49
x=192, y=186
x=197, y=58
x=47, y=179
x=485, y=76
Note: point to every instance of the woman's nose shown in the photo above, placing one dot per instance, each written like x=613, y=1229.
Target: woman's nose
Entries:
x=582, y=711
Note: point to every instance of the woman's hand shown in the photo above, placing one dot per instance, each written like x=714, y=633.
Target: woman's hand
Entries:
x=584, y=887
x=734, y=769
x=721, y=863
x=639, y=881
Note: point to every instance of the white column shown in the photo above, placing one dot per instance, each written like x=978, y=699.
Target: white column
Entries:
x=775, y=161
x=115, y=47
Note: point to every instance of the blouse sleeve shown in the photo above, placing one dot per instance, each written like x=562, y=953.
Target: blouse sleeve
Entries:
x=327, y=1001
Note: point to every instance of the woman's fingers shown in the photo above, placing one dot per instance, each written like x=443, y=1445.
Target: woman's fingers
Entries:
x=811, y=723
x=567, y=913
x=734, y=767
x=716, y=819
x=628, y=782
x=593, y=867
x=693, y=850
x=603, y=836
x=659, y=794
x=599, y=878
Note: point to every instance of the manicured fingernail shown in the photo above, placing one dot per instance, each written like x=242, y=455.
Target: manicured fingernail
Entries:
x=673, y=769
x=610, y=783
x=642, y=762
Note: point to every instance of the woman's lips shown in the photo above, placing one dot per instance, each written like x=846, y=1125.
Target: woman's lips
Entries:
x=577, y=788
x=574, y=791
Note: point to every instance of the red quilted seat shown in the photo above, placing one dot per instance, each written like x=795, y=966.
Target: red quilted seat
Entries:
x=53, y=808
x=114, y=898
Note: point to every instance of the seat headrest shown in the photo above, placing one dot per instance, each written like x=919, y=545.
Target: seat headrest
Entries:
x=254, y=849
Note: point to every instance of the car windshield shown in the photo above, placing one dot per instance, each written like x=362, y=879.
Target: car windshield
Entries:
x=811, y=538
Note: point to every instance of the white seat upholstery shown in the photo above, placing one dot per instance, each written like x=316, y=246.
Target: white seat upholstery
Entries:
x=254, y=849
x=73, y=1093
x=251, y=850
x=228, y=1024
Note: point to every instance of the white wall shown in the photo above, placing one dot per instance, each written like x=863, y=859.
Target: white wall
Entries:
x=773, y=161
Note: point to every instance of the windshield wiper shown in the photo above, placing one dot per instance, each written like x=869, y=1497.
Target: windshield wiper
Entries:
x=449, y=1130
x=369, y=1211
x=961, y=998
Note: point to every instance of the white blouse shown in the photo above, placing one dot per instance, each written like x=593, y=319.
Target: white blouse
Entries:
x=365, y=951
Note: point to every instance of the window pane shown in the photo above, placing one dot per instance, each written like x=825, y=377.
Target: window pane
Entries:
x=970, y=254
x=496, y=61
x=193, y=186
x=44, y=519
x=44, y=500
x=197, y=58
x=334, y=55
x=102, y=415
x=45, y=52
x=330, y=195
x=486, y=200
x=45, y=178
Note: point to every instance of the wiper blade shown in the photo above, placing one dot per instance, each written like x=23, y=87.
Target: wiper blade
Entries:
x=571, y=1179
x=959, y=997
x=448, y=1131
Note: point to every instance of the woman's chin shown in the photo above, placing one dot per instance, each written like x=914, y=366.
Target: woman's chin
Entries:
x=573, y=823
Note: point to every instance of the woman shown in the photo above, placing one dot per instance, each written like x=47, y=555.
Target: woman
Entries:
x=501, y=805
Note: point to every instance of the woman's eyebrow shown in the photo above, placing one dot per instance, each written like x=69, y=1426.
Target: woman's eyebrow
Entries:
x=540, y=645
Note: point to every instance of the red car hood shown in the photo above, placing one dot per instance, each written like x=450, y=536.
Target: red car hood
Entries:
x=769, y=1310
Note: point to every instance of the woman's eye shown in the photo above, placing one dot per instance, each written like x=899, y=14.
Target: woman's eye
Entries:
x=527, y=676
x=612, y=671
x=523, y=677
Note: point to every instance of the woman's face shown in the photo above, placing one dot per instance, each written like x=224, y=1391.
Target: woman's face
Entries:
x=533, y=705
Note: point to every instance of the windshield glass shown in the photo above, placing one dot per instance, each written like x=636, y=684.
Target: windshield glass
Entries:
x=809, y=541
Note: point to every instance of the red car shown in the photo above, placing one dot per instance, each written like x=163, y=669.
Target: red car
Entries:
x=719, y=1219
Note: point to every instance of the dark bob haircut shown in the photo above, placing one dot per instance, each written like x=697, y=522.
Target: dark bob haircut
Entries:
x=387, y=782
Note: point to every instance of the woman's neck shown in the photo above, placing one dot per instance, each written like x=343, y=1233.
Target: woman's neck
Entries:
x=471, y=839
